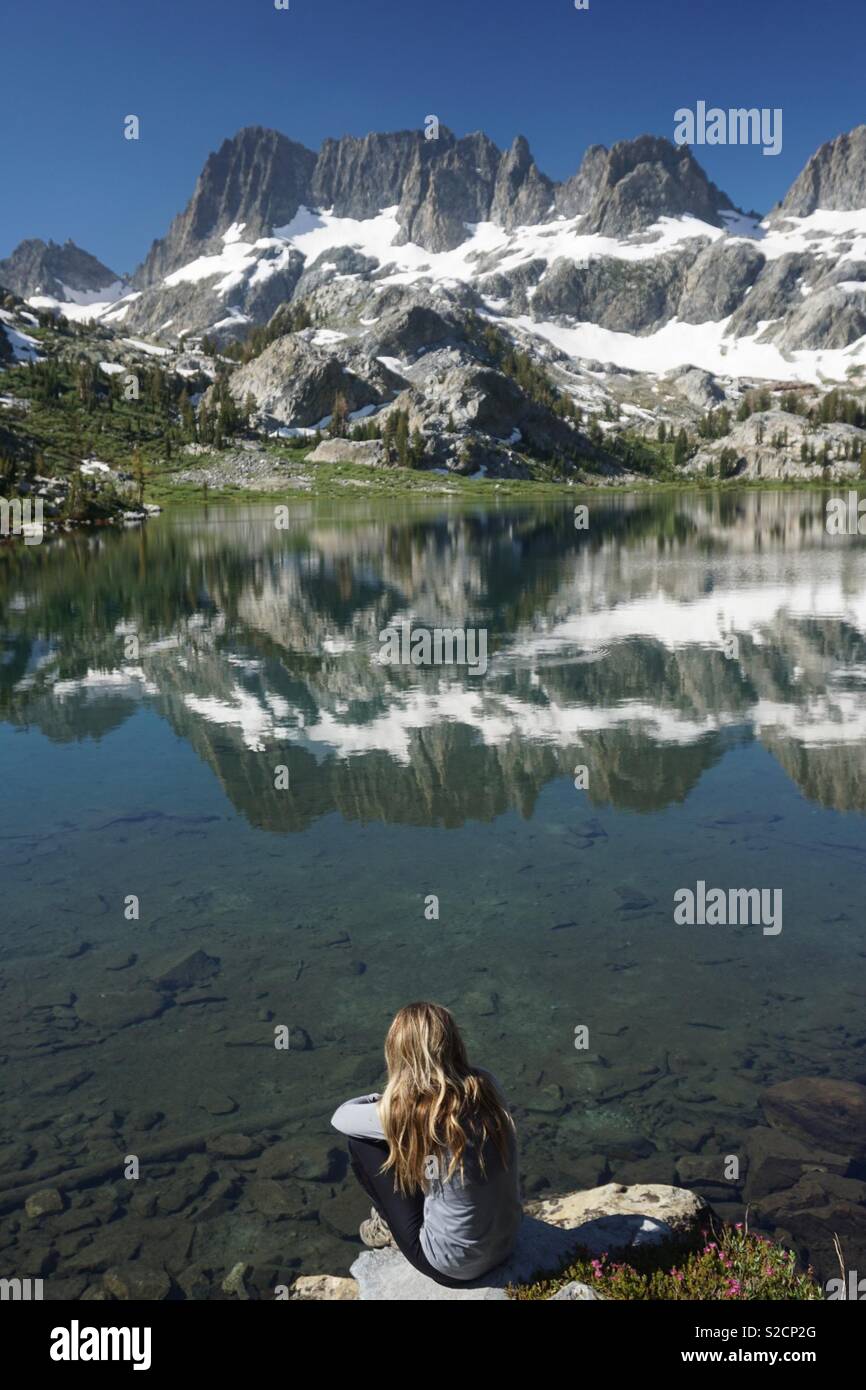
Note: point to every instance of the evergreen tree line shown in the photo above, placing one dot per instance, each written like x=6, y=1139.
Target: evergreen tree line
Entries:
x=408, y=450
x=289, y=318
x=682, y=444
x=833, y=409
x=532, y=379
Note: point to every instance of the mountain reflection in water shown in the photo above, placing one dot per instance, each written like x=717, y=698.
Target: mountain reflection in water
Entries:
x=151, y=683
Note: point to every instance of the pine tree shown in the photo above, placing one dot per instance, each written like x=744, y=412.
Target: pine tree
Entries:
x=417, y=448
x=388, y=437
x=140, y=476
x=339, y=417
x=401, y=438
x=86, y=384
x=681, y=448
x=187, y=416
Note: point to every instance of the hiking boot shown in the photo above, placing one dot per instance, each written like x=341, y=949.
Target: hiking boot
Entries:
x=374, y=1232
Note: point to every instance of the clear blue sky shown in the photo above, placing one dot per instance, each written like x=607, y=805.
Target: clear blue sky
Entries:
x=195, y=71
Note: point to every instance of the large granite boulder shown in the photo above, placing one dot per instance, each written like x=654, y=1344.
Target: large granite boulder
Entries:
x=699, y=388
x=684, y=1213
x=609, y=1219
x=368, y=451
x=295, y=384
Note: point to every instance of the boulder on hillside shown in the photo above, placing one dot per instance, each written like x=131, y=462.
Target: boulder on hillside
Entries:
x=368, y=451
x=412, y=328
x=295, y=384
x=699, y=388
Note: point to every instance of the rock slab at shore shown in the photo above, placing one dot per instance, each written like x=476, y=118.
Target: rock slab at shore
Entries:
x=604, y=1219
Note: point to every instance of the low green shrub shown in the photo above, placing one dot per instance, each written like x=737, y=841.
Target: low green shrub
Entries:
x=734, y=1265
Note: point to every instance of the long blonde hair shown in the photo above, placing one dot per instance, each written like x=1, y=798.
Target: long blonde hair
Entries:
x=434, y=1103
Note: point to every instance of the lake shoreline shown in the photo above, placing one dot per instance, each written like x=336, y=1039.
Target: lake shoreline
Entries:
x=338, y=481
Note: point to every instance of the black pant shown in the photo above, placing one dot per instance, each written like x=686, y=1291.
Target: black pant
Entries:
x=404, y=1215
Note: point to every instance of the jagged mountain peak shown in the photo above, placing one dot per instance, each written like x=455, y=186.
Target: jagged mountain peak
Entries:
x=46, y=268
x=647, y=178
x=834, y=178
x=257, y=179
x=574, y=196
x=271, y=222
x=356, y=176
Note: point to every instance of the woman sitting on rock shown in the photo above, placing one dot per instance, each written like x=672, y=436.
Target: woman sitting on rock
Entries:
x=436, y=1153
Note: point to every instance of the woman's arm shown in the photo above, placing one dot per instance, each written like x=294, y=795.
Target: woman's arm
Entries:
x=359, y=1118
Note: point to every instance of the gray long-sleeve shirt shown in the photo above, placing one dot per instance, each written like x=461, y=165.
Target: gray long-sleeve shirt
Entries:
x=470, y=1225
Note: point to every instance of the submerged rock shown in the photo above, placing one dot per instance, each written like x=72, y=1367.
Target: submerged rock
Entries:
x=233, y=1146
x=272, y=1199
x=217, y=1103
x=193, y=969
x=234, y=1281
x=820, y=1110
x=778, y=1161
x=137, y=1284
x=116, y=1009
x=44, y=1203
x=343, y=1213
x=813, y=1214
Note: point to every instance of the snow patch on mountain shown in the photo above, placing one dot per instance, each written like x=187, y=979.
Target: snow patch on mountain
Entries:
x=24, y=348
x=83, y=306
x=701, y=345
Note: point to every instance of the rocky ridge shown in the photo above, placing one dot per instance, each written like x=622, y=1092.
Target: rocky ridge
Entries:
x=641, y=295
x=65, y=273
